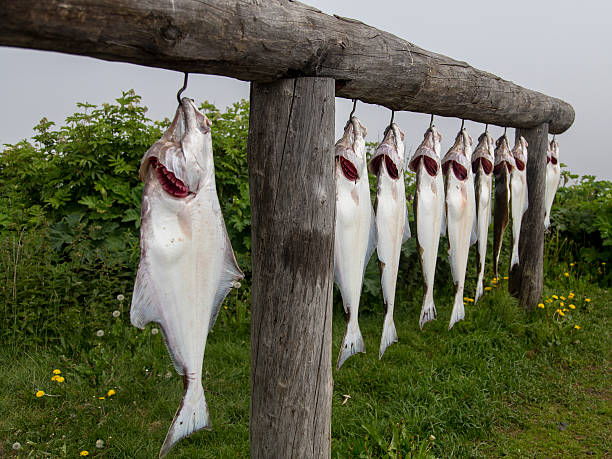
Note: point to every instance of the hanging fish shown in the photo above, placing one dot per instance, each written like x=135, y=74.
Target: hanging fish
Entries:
x=460, y=212
x=429, y=211
x=553, y=177
x=187, y=265
x=518, y=195
x=392, y=226
x=355, y=237
x=504, y=164
x=482, y=166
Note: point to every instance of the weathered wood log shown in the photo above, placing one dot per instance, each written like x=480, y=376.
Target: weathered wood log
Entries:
x=526, y=279
x=292, y=187
x=266, y=40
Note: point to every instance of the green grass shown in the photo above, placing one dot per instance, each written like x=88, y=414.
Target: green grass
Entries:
x=501, y=383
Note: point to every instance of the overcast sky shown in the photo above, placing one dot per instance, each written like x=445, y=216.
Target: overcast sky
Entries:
x=561, y=48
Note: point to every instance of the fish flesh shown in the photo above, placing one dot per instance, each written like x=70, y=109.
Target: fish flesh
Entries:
x=502, y=168
x=518, y=195
x=187, y=265
x=392, y=226
x=355, y=235
x=553, y=177
x=482, y=167
x=460, y=212
x=429, y=210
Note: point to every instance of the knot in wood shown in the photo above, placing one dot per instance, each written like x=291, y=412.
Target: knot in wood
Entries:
x=170, y=33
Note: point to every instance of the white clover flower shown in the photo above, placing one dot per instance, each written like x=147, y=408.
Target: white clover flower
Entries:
x=16, y=445
x=120, y=297
x=99, y=444
x=154, y=331
x=100, y=333
x=116, y=314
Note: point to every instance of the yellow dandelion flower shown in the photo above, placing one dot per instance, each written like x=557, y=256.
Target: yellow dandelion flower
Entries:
x=561, y=313
x=561, y=304
x=565, y=310
x=84, y=453
x=571, y=295
x=60, y=379
x=101, y=398
x=506, y=277
x=40, y=393
x=588, y=300
x=549, y=300
x=488, y=288
x=572, y=306
x=56, y=372
x=562, y=297
x=541, y=305
x=54, y=377
x=603, y=263
x=555, y=297
x=566, y=274
x=572, y=264
x=111, y=392
x=577, y=327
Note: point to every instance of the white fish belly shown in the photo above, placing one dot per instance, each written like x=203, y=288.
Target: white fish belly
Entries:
x=429, y=198
x=460, y=207
x=518, y=205
x=353, y=222
x=483, y=214
x=185, y=258
x=390, y=220
x=552, y=183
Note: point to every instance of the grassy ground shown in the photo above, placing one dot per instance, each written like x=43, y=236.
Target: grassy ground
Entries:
x=501, y=383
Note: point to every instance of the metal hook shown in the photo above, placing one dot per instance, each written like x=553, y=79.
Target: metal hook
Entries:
x=353, y=110
x=462, y=124
x=178, y=94
x=431, y=121
x=487, y=127
x=554, y=135
x=392, y=116
x=505, y=130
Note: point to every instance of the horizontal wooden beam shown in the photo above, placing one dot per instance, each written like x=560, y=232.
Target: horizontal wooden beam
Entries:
x=263, y=41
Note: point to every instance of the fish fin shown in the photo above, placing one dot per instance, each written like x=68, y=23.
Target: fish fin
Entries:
x=474, y=236
x=372, y=240
x=351, y=344
x=428, y=312
x=389, y=336
x=479, y=289
x=442, y=212
x=458, y=311
x=191, y=416
x=231, y=273
x=407, y=233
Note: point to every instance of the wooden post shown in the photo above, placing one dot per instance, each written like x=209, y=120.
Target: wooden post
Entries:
x=293, y=195
x=527, y=278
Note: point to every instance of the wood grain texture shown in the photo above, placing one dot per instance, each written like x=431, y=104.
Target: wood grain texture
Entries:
x=526, y=279
x=293, y=193
x=256, y=40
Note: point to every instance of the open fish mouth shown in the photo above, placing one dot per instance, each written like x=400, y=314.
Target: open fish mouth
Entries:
x=348, y=169
x=431, y=166
x=389, y=164
x=169, y=182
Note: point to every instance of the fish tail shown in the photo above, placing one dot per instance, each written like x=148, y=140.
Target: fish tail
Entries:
x=191, y=416
x=389, y=334
x=351, y=344
x=428, y=311
x=515, y=256
x=458, y=309
x=547, y=221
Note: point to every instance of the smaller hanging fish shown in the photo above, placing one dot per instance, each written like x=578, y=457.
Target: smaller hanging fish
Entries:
x=429, y=210
x=355, y=236
x=504, y=164
x=518, y=195
x=460, y=211
x=482, y=166
x=553, y=176
x=392, y=227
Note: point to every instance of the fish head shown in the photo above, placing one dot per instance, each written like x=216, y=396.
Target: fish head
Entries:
x=459, y=156
x=350, y=150
x=428, y=153
x=392, y=150
x=181, y=161
x=520, y=153
x=503, y=155
x=484, y=153
x=554, y=151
